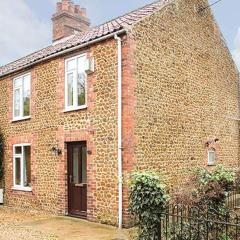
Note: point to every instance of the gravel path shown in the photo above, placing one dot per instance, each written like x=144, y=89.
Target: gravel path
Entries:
x=27, y=225
x=11, y=221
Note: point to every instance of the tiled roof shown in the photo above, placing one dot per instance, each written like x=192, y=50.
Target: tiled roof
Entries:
x=94, y=33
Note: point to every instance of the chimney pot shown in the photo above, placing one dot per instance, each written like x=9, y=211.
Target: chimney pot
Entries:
x=59, y=7
x=77, y=9
x=65, y=5
x=84, y=12
x=71, y=7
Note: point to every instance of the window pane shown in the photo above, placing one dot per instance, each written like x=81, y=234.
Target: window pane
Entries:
x=18, y=83
x=26, y=96
x=81, y=91
x=27, y=166
x=76, y=165
x=18, y=171
x=17, y=102
x=84, y=165
x=71, y=65
x=70, y=89
x=18, y=150
x=81, y=63
x=81, y=81
x=211, y=157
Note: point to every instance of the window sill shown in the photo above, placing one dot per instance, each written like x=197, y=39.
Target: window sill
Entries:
x=212, y=165
x=23, y=189
x=75, y=109
x=21, y=119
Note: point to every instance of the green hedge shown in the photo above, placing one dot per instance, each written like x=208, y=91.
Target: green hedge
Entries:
x=148, y=199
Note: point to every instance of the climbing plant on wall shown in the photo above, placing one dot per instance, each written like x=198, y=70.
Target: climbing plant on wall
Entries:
x=147, y=201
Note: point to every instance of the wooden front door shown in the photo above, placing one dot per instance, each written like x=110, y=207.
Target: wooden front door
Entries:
x=77, y=179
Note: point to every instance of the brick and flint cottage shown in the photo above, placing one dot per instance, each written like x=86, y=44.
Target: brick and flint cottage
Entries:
x=153, y=89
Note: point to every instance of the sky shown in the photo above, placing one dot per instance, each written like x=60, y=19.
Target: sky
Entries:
x=25, y=25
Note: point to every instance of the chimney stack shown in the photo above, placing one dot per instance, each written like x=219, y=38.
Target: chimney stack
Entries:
x=69, y=19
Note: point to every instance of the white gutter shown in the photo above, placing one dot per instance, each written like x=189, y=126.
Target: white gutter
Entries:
x=64, y=52
x=120, y=184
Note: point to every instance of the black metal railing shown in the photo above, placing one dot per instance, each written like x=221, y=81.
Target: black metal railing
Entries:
x=233, y=199
x=184, y=223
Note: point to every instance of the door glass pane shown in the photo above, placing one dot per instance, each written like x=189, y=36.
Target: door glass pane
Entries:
x=70, y=89
x=18, y=150
x=18, y=171
x=84, y=165
x=27, y=166
x=81, y=90
x=26, y=96
x=76, y=165
x=17, y=102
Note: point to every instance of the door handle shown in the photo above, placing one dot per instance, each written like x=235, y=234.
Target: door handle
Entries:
x=80, y=184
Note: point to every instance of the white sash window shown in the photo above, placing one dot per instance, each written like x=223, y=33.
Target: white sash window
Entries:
x=22, y=167
x=21, y=97
x=211, y=157
x=75, y=83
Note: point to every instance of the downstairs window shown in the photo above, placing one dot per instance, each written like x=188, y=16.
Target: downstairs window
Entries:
x=22, y=167
x=211, y=157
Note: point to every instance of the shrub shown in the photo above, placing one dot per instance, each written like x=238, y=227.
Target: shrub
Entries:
x=225, y=178
x=207, y=193
x=213, y=187
x=207, y=189
x=148, y=200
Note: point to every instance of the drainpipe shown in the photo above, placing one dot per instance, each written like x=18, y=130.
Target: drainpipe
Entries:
x=120, y=174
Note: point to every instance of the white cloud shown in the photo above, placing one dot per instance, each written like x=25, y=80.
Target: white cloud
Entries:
x=236, y=51
x=21, y=31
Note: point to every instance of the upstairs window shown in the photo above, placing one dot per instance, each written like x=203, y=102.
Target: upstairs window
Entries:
x=21, y=97
x=75, y=83
x=211, y=157
x=22, y=167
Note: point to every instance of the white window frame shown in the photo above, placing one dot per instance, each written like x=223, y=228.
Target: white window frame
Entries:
x=75, y=99
x=21, y=117
x=211, y=150
x=21, y=156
